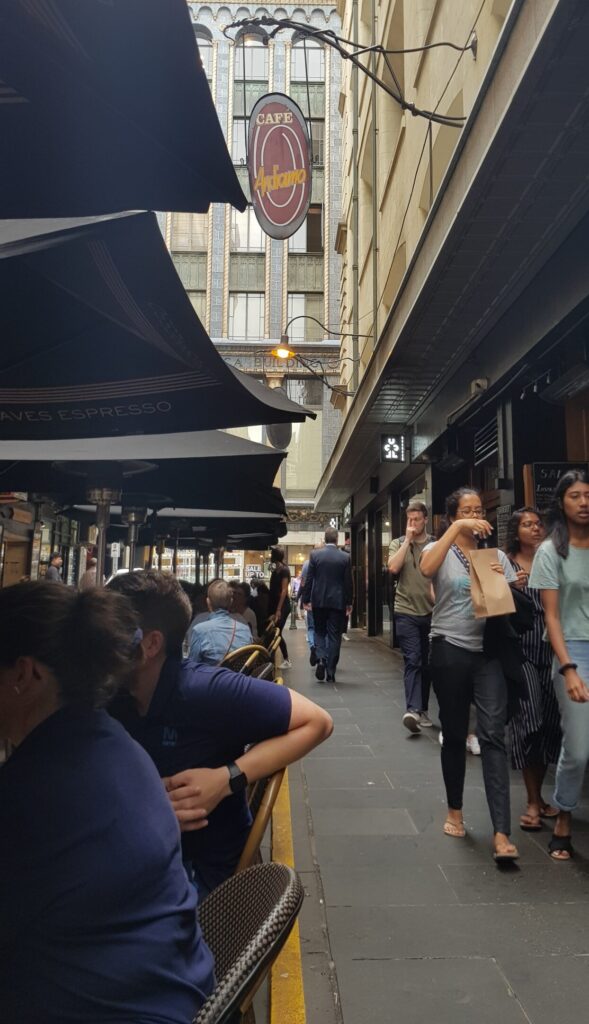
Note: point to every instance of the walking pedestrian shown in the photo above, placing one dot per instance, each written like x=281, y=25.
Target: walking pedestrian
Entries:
x=53, y=574
x=413, y=614
x=328, y=593
x=534, y=728
x=561, y=573
x=279, y=600
x=309, y=622
x=462, y=673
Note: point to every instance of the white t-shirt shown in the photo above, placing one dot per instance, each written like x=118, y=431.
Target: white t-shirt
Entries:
x=453, y=614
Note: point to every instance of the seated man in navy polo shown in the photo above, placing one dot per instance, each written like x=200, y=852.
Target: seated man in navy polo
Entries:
x=213, y=639
x=195, y=722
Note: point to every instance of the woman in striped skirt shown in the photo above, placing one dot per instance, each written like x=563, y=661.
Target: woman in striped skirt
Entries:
x=535, y=727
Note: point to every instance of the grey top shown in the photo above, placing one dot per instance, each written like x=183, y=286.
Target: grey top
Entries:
x=453, y=615
x=570, y=576
x=53, y=574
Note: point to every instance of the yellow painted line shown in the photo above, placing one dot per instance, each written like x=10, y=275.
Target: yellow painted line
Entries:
x=287, y=995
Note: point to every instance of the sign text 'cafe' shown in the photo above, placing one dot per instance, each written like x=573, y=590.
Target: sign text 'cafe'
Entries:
x=279, y=165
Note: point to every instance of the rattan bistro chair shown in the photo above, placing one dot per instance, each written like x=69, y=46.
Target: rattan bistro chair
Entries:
x=269, y=633
x=261, y=804
x=263, y=671
x=246, y=922
x=244, y=659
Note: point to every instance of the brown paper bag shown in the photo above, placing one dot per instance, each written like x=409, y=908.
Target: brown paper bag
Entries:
x=490, y=591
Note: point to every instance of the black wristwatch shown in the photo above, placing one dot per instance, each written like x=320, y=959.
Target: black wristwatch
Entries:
x=564, y=668
x=237, y=778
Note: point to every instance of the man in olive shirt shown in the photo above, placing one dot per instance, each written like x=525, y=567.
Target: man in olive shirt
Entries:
x=413, y=612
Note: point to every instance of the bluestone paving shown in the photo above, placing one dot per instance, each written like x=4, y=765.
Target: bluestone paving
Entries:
x=401, y=922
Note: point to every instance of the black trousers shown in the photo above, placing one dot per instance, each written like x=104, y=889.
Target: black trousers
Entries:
x=329, y=626
x=284, y=616
x=461, y=676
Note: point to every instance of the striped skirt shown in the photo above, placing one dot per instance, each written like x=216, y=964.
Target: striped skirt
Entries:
x=534, y=729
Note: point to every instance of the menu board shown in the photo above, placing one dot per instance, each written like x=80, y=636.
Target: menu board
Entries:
x=503, y=514
x=546, y=476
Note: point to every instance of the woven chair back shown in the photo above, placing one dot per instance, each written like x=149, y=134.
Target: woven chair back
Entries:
x=245, y=922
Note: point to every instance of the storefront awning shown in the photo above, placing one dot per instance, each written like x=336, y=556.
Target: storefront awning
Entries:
x=106, y=107
x=204, y=470
x=100, y=339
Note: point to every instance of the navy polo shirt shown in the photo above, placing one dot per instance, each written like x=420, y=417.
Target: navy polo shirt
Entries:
x=97, y=918
x=202, y=716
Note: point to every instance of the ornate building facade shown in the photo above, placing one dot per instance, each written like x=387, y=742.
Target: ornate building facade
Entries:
x=246, y=287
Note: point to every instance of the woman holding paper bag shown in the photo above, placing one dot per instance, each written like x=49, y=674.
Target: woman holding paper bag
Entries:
x=462, y=673
x=561, y=573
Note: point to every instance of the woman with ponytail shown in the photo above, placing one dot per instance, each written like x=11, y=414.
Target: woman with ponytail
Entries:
x=97, y=918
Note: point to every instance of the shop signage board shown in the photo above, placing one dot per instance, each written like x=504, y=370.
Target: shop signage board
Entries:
x=279, y=165
x=545, y=476
x=392, y=448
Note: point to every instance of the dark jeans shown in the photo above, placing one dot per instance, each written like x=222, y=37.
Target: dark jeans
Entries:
x=412, y=632
x=283, y=620
x=461, y=676
x=329, y=626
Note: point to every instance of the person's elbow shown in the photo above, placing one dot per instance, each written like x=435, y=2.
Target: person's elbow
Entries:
x=325, y=725
x=320, y=726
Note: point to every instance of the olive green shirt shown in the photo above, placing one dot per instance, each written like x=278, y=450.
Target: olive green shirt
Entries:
x=414, y=591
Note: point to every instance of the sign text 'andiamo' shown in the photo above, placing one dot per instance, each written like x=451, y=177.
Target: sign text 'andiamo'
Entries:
x=279, y=165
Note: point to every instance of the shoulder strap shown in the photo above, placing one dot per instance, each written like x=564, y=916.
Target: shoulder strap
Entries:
x=461, y=557
x=230, y=642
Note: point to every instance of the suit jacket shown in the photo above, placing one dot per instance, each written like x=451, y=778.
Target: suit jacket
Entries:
x=328, y=582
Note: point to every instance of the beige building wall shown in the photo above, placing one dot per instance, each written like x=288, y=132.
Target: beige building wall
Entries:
x=402, y=164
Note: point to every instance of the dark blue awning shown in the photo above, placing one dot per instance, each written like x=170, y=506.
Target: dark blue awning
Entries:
x=99, y=338
x=106, y=107
x=208, y=469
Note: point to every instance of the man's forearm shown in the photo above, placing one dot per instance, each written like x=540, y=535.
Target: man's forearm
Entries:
x=397, y=561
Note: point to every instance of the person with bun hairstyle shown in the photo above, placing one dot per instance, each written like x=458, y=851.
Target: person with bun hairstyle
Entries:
x=97, y=916
x=561, y=573
x=463, y=674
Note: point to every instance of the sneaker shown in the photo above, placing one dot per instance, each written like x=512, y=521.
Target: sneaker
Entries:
x=472, y=745
x=313, y=657
x=320, y=672
x=411, y=721
x=330, y=679
x=441, y=738
x=286, y=664
x=425, y=721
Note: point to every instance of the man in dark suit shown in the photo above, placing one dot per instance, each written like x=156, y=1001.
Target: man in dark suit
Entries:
x=328, y=591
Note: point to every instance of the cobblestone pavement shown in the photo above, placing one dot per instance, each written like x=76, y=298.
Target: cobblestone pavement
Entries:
x=403, y=923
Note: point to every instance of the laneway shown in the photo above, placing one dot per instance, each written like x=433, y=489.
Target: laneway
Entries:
x=420, y=926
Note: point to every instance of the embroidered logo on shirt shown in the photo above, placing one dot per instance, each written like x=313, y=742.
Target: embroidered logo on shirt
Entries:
x=169, y=736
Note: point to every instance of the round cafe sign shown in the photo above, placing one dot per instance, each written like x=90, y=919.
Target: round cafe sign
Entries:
x=279, y=165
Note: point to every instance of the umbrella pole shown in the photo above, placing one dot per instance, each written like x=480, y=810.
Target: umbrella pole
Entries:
x=103, y=498
x=134, y=517
x=175, y=553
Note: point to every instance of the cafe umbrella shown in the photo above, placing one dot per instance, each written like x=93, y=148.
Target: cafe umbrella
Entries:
x=209, y=469
x=100, y=339
x=106, y=107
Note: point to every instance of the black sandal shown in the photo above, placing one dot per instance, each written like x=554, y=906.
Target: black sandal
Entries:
x=558, y=844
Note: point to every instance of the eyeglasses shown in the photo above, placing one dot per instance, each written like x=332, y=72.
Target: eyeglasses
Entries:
x=464, y=513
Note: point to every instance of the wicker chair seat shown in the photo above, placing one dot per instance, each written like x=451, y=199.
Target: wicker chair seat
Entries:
x=245, y=922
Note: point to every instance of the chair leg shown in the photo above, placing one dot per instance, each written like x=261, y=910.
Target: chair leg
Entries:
x=249, y=1016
